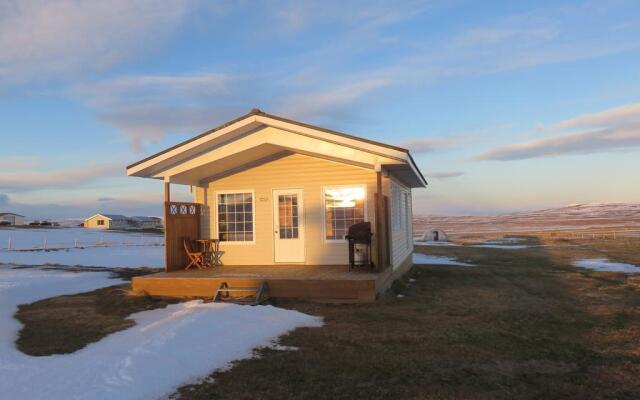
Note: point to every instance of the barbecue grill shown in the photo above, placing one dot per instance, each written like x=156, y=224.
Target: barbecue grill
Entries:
x=359, y=238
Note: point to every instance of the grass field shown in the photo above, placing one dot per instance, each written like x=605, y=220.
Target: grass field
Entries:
x=522, y=324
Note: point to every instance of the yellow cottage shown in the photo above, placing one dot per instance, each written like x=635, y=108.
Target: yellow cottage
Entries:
x=279, y=197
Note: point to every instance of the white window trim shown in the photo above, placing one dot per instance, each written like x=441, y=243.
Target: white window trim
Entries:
x=253, y=216
x=324, y=209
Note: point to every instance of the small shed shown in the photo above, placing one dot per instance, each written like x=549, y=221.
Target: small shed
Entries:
x=435, y=235
x=107, y=221
x=12, y=218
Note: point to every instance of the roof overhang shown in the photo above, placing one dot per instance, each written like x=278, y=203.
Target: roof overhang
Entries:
x=258, y=137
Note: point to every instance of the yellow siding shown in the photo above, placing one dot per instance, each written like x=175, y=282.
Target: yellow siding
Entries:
x=294, y=171
x=93, y=223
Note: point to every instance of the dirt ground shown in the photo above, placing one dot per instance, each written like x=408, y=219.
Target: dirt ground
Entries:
x=522, y=324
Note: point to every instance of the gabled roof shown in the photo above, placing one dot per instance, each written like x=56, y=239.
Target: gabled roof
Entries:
x=256, y=136
x=10, y=213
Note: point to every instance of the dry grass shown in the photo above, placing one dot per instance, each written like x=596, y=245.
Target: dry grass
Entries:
x=522, y=325
x=65, y=324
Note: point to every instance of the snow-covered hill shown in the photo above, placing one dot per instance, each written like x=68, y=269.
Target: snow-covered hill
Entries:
x=571, y=217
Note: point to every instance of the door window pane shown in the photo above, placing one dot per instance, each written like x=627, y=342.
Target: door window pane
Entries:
x=288, y=216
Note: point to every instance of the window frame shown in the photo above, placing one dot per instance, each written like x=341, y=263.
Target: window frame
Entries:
x=253, y=216
x=100, y=222
x=324, y=208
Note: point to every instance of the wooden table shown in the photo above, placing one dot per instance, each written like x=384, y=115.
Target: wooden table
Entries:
x=211, y=247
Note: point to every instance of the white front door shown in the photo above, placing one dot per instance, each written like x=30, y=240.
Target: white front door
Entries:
x=288, y=226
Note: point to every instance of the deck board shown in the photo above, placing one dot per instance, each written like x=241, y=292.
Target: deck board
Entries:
x=324, y=283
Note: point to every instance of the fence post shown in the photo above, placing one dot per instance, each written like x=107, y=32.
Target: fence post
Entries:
x=44, y=245
x=9, y=243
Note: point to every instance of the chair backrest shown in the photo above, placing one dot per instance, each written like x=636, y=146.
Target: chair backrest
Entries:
x=188, y=245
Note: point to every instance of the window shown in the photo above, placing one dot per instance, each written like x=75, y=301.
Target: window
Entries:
x=235, y=217
x=288, y=216
x=396, y=205
x=407, y=218
x=343, y=207
x=100, y=222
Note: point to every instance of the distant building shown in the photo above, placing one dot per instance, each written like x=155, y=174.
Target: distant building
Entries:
x=146, y=222
x=117, y=221
x=12, y=218
x=108, y=221
x=435, y=235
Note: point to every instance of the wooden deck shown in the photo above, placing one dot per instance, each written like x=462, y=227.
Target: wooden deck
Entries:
x=322, y=283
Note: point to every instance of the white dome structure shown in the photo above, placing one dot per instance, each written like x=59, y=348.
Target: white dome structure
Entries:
x=435, y=235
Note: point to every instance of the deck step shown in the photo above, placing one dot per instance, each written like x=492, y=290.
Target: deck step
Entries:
x=260, y=294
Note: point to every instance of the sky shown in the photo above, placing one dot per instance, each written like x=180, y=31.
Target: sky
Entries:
x=505, y=106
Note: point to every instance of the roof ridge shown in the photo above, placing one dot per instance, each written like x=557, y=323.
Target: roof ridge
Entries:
x=257, y=111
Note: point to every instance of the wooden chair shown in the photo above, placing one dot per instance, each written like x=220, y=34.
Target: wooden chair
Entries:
x=196, y=257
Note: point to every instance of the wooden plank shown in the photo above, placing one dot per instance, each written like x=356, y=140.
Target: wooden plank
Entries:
x=182, y=221
x=316, y=290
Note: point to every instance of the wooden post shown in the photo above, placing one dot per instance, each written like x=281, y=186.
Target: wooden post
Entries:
x=165, y=207
x=379, y=216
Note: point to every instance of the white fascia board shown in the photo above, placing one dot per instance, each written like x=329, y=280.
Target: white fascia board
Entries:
x=284, y=140
x=331, y=137
x=190, y=145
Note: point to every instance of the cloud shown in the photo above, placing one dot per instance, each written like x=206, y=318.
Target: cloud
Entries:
x=296, y=16
x=82, y=208
x=329, y=102
x=550, y=36
x=150, y=124
x=135, y=89
x=102, y=199
x=68, y=178
x=145, y=108
x=15, y=162
x=48, y=39
x=620, y=116
x=613, y=129
x=427, y=145
x=445, y=174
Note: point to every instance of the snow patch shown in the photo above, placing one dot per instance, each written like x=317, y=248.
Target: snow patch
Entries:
x=603, y=264
x=166, y=348
x=108, y=257
x=419, y=258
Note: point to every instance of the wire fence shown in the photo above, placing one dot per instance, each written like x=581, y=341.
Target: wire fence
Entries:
x=12, y=244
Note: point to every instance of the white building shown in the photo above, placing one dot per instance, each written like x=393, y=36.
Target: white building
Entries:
x=146, y=222
x=12, y=218
x=435, y=235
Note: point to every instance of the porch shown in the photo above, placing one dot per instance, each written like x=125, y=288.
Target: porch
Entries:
x=321, y=283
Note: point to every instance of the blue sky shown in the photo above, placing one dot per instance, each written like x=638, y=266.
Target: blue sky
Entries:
x=506, y=106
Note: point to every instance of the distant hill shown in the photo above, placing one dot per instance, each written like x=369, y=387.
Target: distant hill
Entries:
x=571, y=217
